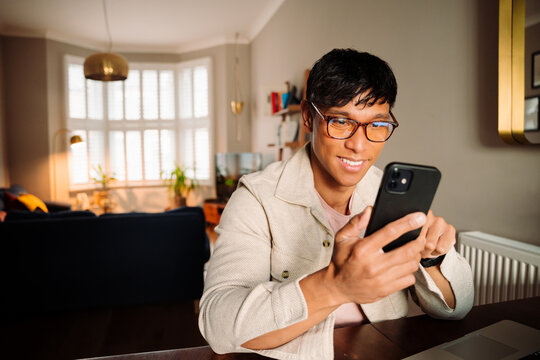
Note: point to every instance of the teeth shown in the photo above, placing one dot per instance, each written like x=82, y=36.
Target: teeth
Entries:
x=352, y=163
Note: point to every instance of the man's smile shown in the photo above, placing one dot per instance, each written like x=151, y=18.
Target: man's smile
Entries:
x=351, y=164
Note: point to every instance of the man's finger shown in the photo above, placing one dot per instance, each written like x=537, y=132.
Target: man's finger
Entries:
x=411, y=251
x=348, y=236
x=395, y=229
x=354, y=227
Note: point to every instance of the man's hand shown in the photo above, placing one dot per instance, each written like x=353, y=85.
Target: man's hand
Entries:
x=361, y=272
x=439, y=236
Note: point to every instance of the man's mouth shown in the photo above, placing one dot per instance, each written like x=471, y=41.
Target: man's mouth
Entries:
x=351, y=162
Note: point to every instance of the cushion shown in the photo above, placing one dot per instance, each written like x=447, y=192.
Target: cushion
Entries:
x=12, y=203
x=32, y=202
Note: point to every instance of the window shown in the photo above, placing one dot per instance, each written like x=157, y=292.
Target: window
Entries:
x=140, y=128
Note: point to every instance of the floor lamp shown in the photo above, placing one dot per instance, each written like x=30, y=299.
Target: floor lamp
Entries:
x=75, y=139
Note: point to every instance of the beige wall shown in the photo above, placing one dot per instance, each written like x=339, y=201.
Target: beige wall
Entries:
x=444, y=55
x=4, y=180
x=25, y=87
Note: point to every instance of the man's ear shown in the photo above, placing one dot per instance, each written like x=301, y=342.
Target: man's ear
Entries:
x=307, y=115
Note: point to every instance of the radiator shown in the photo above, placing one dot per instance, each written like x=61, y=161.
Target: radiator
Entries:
x=503, y=269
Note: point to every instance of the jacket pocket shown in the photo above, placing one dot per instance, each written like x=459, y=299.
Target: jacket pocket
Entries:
x=286, y=266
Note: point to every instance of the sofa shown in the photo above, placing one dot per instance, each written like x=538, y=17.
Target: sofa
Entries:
x=73, y=260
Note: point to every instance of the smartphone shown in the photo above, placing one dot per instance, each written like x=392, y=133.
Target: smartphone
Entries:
x=405, y=188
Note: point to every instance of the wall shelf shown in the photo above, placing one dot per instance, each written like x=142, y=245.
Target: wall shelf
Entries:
x=290, y=110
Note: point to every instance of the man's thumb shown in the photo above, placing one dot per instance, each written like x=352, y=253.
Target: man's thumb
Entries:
x=355, y=226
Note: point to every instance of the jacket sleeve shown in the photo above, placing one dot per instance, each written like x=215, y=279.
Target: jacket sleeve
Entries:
x=240, y=302
x=430, y=299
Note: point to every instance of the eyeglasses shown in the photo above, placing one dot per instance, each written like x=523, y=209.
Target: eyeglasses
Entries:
x=342, y=128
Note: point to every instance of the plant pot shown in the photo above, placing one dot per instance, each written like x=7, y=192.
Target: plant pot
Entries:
x=102, y=199
x=179, y=201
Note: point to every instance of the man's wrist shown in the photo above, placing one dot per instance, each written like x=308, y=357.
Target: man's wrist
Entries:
x=327, y=281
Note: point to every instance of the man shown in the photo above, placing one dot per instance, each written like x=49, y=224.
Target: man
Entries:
x=290, y=263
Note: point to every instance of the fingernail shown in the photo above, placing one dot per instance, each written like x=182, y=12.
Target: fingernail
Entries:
x=418, y=219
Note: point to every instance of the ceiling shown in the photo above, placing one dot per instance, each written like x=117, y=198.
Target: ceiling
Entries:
x=138, y=25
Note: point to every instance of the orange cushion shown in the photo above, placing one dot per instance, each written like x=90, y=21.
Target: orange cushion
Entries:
x=32, y=202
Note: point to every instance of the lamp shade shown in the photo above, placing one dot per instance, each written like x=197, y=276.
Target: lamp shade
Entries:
x=237, y=107
x=106, y=67
x=75, y=139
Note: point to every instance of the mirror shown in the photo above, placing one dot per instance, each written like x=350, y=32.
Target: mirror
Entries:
x=519, y=71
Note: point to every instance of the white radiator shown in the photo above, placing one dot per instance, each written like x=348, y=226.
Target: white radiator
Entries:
x=503, y=269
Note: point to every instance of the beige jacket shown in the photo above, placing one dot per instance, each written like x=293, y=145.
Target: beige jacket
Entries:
x=271, y=235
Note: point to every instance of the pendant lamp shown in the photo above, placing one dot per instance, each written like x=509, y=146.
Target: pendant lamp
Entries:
x=237, y=105
x=106, y=66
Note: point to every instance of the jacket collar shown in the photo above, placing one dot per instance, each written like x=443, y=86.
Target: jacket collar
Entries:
x=296, y=185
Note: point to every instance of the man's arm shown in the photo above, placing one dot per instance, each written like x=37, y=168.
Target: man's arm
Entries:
x=452, y=277
x=359, y=272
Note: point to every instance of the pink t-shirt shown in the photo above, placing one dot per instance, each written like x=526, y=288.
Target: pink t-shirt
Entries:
x=350, y=313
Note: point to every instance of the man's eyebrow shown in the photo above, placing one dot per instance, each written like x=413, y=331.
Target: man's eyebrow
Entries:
x=379, y=116
x=337, y=112
x=382, y=116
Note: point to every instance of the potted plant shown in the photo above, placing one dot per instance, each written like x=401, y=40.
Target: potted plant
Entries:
x=101, y=197
x=180, y=185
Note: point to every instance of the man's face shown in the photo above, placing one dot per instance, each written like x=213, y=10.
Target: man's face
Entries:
x=343, y=163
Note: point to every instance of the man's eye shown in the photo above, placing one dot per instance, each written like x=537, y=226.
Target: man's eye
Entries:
x=379, y=124
x=339, y=122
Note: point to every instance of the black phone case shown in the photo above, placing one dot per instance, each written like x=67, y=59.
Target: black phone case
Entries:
x=390, y=206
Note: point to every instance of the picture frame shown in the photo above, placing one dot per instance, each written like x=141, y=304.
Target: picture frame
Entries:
x=535, y=73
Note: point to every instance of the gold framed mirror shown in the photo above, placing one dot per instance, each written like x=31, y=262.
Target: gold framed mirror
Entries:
x=515, y=50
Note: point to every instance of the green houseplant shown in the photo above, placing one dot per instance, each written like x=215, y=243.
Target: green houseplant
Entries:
x=102, y=178
x=180, y=185
x=102, y=197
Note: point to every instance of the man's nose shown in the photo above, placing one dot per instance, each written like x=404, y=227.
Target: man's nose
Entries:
x=358, y=141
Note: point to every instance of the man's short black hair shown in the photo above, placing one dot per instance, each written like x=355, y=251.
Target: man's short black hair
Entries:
x=342, y=74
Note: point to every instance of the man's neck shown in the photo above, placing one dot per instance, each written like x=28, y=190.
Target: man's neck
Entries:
x=337, y=199
x=332, y=193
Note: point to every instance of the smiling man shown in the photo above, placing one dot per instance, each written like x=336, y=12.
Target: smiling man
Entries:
x=291, y=262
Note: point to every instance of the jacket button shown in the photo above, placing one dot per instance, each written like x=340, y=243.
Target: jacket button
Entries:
x=326, y=243
x=285, y=274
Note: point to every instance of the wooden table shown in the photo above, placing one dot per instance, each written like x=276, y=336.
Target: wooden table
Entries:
x=393, y=339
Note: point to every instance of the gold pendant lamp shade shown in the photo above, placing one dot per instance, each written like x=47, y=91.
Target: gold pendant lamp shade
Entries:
x=237, y=107
x=106, y=67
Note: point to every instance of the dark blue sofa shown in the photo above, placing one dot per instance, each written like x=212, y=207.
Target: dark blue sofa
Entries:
x=76, y=261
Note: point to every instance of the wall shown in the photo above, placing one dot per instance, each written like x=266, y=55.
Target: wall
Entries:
x=444, y=55
x=4, y=180
x=25, y=87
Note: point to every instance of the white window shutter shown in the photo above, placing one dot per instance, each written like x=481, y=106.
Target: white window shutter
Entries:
x=136, y=128
x=150, y=94
x=116, y=154
x=133, y=95
x=151, y=155
x=200, y=91
x=77, y=92
x=115, y=100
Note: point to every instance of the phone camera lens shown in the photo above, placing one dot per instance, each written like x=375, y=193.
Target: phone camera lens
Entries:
x=393, y=184
x=396, y=173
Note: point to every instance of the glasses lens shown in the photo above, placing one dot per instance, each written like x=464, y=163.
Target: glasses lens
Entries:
x=379, y=130
x=340, y=128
